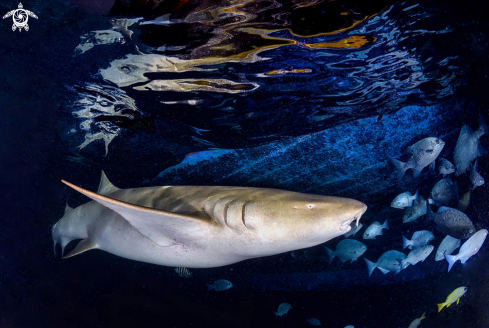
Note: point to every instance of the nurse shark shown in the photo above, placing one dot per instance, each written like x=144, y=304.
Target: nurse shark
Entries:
x=201, y=226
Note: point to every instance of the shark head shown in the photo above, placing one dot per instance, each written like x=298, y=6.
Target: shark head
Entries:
x=286, y=221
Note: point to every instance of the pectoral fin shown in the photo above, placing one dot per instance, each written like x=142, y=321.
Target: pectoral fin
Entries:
x=83, y=246
x=162, y=227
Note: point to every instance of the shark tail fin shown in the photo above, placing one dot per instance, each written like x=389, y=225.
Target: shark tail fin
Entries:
x=440, y=306
x=83, y=246
x=371, y=266
x=401, y=168
x=330, y=254
x=451, y=261
x=405, y=242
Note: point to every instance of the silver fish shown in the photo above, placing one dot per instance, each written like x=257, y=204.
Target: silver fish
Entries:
x=347, y=249
x=447, y=246
x=283, y=309
x=183, y=272
x=188, y=226
x=412, y=213
x=419, y=239
x=444, y=193
x=389, y=261
x=445, y=167
x=476, y=179
x=468, y=249
x=468, y=146
x=415, y=323
x=375, y=229
x=354, y=229
x=418, y=254
x=464, y=202
x=423, y=153
x=404, y=200
x=451, y=222
x=220, y=285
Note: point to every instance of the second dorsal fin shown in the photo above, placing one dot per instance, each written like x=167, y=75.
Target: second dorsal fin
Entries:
x=105, y=187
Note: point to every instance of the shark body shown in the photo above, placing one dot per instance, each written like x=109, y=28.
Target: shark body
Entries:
x=202, y=226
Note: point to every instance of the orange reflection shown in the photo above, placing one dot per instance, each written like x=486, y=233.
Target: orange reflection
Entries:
x=353, y=42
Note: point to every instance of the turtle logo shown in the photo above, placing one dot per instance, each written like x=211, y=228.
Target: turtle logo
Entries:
x=20, y=17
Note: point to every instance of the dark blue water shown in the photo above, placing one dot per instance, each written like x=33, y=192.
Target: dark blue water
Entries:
x=306, y=96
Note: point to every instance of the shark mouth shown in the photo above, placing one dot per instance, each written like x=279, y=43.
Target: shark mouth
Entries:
x=346, y=224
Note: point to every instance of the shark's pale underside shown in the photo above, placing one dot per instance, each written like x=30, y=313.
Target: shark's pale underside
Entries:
x=202, y=226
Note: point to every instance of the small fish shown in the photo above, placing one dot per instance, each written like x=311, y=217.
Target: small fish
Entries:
x=454, y=296
x=445, y=167
x=423, y=153
x=354, y=229
x=418, y=254
x=403, y=200
x=283, y=309
x=412, y=213
x=468, y=249
x=220, y=285
x=468, y=146
x=347, y=249
x=314, y=322
x=389, y=261
x=350, y=326
x=419, y=239
x=464, y=202
x=415, y=323
x=447, y=246
x=444, y=193
x=374, y=230
x=183, y=272
x=451, y=222
x=476, y=179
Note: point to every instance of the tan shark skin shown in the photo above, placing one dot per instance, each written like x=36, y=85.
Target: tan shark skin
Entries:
x=202, y=226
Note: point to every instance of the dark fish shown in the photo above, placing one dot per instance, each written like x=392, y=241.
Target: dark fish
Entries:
x=444, y=193
x=451, y=222
x=464, y=202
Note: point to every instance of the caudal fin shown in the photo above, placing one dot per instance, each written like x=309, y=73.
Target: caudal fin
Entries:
x=401, y=168
x=330, y=254
x=209, y=287
x=385, y=225
x=405, y=242
x=451, y=261
x=371, y=266
x=423, y=316
x=440, y=306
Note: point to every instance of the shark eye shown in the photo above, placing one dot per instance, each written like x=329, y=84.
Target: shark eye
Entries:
x=310, y=206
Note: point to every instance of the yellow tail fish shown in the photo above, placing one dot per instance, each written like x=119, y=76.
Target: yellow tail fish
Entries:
x=454, y=296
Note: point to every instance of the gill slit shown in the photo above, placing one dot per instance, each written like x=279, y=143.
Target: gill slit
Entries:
x=243, y=214
x=225, y=214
